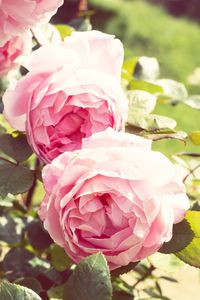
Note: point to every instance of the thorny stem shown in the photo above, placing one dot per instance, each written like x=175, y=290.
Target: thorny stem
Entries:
x=10, y=162
x=148, y=273
x=30, y=194
x=191, y=172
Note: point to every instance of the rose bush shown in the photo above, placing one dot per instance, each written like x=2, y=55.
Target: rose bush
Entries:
x=15, y=19
x=12, y=50
x=69, y=93
x=115, y=196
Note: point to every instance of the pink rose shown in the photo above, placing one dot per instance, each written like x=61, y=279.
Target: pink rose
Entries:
x=115, y=196
x=72, y=90
x=19, y=16
x=11, y=51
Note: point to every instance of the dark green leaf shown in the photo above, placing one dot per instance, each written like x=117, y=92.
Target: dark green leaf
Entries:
x=159, y=135
x=124, y=269
x=190, y=154
x=60, y=259
x=171, y=279
x=146, y=86
x=190, y=254
x=14, y=179
x=38, y=236
x=11, y=229
x=56, y=292
x=31, y=283
x=182, y=236
x=119, y=295
x=19, y=262
x=81, y=24
x=90, y=280
x=15, y=147
x=10, y=291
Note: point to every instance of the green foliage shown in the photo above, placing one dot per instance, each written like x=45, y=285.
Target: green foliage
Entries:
x=60, y=260
x=148, y=30
x=195, y=137
x=90, y=280
x=181, y=237
x=64, y=30
x=190, y=254
x=15, y=147
x=14, y=178
x=10, y=291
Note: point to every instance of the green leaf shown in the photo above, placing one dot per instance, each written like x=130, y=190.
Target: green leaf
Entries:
x=56, y=293
x=173, y=89
x=19, y=262
x=190, y=254
x=60, y=259
x=64, y=30
x=141, y=101
x=166, y=262
x=123, y=270
x=31, y=283
x=146, y=86
x=14, y=179
x=150, y=122
x=181, y=237
x=119, y=295
x=195, y=137
x=34, y=230
x=15, y=147
x=189, y=154
x=90, y=280
x=11, y=229
x=147, y=68
x=81, y=24
x=10, y=291
x=161, y=134
x=129, y=65
x=193, y=101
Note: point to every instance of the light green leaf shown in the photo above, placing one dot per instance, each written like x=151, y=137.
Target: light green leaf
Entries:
x=173, y=89
x=150, y=122
x=166, y=262
x=141, y=101
x=147, y=86
x=190, y=254
x=64, y=30
x=195, y=137
x=10, y=291
x=193, y=101
x=90, y=280
x=129, y=65
x=147, y=68
x=14, y=179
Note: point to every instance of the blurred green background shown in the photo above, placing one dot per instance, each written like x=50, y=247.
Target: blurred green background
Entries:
x=168, y=30
x=148, y=29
